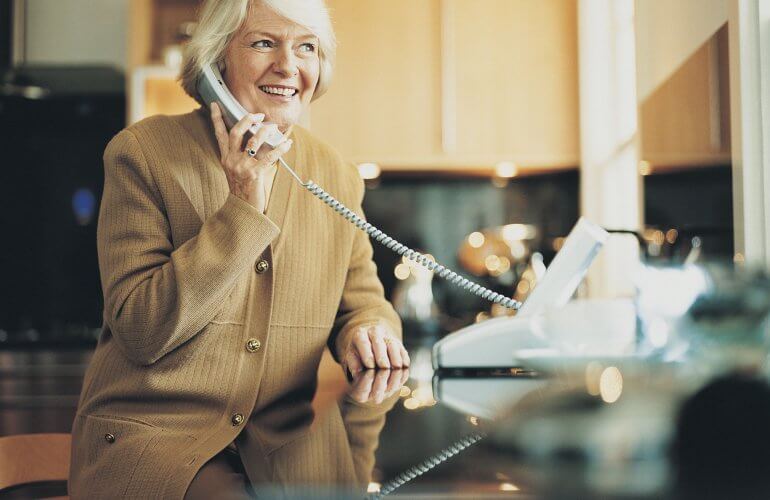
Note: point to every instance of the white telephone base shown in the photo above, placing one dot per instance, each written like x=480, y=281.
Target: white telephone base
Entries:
x=492, y=343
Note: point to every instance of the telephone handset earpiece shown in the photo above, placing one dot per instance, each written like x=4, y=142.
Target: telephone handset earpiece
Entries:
x=211, y=87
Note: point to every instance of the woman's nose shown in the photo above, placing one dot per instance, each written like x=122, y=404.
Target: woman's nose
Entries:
x=285, y=63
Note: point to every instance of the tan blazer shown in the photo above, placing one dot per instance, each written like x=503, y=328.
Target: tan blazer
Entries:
x=213, y=311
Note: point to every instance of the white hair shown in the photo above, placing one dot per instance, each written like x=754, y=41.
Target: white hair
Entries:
x=220, y=19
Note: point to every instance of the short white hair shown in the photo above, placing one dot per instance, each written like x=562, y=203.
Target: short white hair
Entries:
x=220, y=19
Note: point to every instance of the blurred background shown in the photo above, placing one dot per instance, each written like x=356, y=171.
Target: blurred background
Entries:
x=483, y=128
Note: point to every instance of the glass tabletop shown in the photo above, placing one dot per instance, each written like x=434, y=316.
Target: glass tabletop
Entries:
x=605, y=431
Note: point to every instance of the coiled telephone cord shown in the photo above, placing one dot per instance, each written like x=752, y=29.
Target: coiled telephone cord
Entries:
x=402, y=249
x=426, y=465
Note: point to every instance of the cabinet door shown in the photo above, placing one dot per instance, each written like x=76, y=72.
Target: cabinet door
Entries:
x=384, y=103
x=686, y=121
x=516, y=80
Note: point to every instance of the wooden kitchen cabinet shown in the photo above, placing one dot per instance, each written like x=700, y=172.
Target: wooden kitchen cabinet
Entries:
x=454, y=84
x=384, y=104
x=516, y=79
x=686, y=121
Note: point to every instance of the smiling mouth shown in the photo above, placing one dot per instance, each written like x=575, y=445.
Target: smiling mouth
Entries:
x=278, y=91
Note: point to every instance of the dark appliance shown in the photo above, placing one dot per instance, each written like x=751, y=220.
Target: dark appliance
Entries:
x=54, y=125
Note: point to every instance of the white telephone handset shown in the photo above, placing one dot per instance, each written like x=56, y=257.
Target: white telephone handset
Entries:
x=455, y=350
x=211, y=87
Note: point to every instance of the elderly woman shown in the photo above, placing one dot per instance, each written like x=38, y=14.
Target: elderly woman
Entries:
x=223, y=280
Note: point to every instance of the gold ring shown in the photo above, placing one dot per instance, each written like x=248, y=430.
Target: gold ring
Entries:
x=388, y=341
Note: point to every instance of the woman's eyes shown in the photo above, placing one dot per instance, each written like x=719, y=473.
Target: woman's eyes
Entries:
x=262, y=44
x=268, y=44
x=307, y=47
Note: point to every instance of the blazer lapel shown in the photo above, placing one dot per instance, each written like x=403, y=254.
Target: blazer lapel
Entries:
x=198, y=171
x=284, y=190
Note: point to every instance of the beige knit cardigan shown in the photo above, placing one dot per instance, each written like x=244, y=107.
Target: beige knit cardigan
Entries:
x=183, y=297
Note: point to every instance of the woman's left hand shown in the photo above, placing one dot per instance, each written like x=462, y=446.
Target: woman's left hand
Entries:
x=374, y=346
x=375, y=386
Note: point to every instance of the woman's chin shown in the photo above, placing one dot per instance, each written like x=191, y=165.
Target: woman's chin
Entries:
x=283, y=120
x=282, y=114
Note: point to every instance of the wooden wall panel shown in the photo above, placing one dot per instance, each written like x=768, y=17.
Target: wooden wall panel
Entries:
x=385, y=98
x=517, y=79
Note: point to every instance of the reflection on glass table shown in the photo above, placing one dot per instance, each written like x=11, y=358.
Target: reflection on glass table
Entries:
x=606, y=432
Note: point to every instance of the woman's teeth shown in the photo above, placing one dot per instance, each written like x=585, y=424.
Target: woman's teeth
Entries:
x=278, y=91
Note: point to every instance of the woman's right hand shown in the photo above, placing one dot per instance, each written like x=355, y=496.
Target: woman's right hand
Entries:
x=246, y=175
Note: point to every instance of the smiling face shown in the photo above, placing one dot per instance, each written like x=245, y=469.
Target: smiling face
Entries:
x=272, y=66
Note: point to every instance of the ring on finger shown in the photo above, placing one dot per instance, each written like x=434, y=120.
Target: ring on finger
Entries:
x=251, y=152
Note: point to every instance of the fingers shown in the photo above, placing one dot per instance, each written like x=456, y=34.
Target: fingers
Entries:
x=235, y=141
x=379, y=347
x=353, y=362
x=394, y=352
x=376, y=347
x=364, y=348
x=374, y=386
x=405, y=356
x=280, y=150
x=386, y=349
x=220, y=129
x=394, y=382
x=380, y=385
x=258, y=139
x=362, y=386
x=387, y=383
x=230, y=143
x=404, y=377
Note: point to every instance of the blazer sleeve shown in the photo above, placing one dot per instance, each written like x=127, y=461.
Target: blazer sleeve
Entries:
x=363, y=424
x=363, y=297
x=157, y=297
